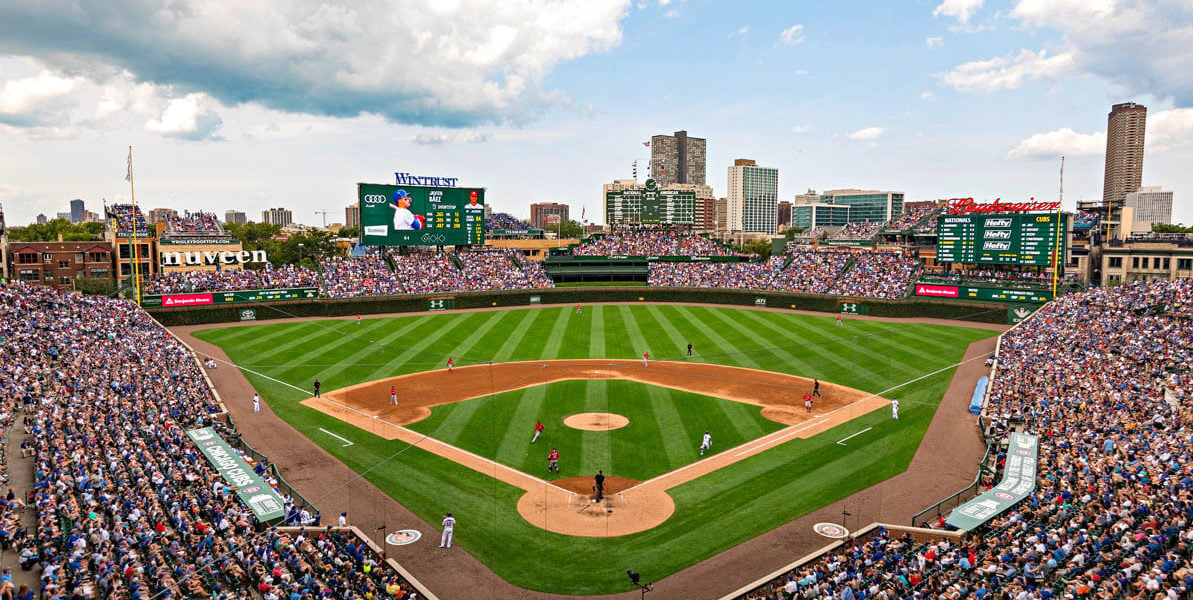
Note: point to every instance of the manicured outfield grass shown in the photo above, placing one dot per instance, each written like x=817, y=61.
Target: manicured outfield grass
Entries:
x=501, y=427
x=713, y=513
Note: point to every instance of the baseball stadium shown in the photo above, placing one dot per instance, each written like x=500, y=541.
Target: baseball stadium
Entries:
x=644, y=412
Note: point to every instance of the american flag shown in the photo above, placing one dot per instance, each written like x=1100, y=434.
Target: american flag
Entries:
x=647, y=144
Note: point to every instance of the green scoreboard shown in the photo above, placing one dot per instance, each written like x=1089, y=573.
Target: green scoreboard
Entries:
x=1001, y=239
x=409, y=215
x=650, y=206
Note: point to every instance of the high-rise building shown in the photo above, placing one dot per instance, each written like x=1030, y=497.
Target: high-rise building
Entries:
x=235, y=217
x=277, y=216
x=41, y=219
x=1125, y=129
x=546, y=215
x=1151, y=203
x=705, y=214
x=753, y=197
x=76, y=211
x=677, y=159
x=722, y=214
x=784, y=218
x=867, y=206
x=161, y=215
x=809, y=197
x=352, y=215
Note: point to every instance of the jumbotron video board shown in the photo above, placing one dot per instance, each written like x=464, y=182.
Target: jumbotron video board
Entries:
x=410, y=215
x=650, y=206
x=998, y=239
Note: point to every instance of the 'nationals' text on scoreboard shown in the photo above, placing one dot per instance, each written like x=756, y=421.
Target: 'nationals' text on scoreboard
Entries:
x=410, y=215
x=1008, y=239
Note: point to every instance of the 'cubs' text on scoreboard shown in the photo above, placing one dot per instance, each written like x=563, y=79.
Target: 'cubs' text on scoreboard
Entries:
x=1007, y=239
x=408, y=215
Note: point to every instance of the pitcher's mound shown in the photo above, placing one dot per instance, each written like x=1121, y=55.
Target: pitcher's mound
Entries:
x=596, y=421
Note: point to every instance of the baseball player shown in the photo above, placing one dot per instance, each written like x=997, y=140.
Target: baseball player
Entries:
x=449, y=526
x=578, y=310
x=895, y=408
x=553, y=461
x=358, y=319
x=706, y=443
x=256, y=402
x=450, y=364
x=808, y=402
x=689, y=348
x=393, y=395
x=538, y=430
x=840, y=321
x=645, y=360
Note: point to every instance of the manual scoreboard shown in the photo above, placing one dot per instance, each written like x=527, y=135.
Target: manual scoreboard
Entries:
x=1002, y=239
x=650, y=206
x=408, y=215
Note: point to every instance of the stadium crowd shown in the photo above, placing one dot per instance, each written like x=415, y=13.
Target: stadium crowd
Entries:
x=125, y=216
x=1103, y=378
x=506, y=221
x=195, y=223
x=367, y=275
x=912, y=216
x=652, y=242
x=860, y=230
x=878, y=274
x=126, y=506
x=286, y=276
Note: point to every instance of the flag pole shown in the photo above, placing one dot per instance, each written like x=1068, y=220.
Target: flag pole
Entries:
x=136, y=253
x=1059, y=225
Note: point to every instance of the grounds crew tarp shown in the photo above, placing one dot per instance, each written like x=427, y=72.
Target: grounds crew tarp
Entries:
x=254, y=492
x=1018, y=480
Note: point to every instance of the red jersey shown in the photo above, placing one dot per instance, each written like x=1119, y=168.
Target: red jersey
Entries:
x=393, y=390
x=539, y=427
x=646, y=356
x=807, y=398
x=553, y=455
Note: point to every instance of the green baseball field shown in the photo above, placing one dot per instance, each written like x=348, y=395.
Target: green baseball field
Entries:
x=713, y=512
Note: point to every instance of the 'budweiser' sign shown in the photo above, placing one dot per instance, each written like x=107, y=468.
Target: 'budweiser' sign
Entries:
x=964, y=206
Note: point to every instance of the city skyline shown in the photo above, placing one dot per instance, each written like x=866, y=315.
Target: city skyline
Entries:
x=941, y=99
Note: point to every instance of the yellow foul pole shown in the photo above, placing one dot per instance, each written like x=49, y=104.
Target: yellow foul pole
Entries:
x=1059, y=226
x=136, y=249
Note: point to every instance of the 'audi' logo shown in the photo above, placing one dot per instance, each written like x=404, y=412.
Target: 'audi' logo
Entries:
x=375, y=199
x=431, y=238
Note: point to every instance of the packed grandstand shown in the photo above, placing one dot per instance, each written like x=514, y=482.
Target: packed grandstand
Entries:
x=125, y=506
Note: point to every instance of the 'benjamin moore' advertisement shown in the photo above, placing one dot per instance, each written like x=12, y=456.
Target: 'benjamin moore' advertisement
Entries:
x=407, y=215
x=252, y=490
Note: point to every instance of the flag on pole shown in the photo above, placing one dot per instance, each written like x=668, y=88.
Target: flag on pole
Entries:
x=646, y=143
x=128, y=175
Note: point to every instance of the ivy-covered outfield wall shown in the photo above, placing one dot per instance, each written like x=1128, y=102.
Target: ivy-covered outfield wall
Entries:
x=985, y=312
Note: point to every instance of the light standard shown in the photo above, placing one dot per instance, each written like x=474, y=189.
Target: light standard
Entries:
x=300, y=246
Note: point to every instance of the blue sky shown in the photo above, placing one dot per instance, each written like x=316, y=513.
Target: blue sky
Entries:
x=234, y=105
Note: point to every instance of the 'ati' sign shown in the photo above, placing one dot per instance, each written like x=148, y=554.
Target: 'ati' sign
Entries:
x=211, y=258
x=965, y=206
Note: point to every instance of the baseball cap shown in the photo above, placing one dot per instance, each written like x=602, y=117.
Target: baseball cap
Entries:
x=398, y=195
x=449, y=513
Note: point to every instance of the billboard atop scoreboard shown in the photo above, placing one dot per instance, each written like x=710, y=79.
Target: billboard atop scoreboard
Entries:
x=650, y=205
x=411, y=215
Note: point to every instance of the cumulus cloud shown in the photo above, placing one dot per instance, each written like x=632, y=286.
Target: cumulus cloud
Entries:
x=1169, y=129
x=867, y=133
x=934, y=42
x=36, y=100
x=1062, y=142
x=458, y=137
x=927, y=96
x=961, y=10
x=1007, y=72
x=1139, y=47
x=186, y=118
x=792, y=36
x=801, y=129
x=450, y=63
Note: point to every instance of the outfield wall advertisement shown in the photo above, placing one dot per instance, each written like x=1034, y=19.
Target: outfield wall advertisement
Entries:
x=253, y=491
x=233, y=297
x=1018, y=481
x=409, y=215
x=934, y=290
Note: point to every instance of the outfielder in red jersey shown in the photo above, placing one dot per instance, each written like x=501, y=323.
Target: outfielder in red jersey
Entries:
x=553, y=461
x=538, y=430
x=450, y=364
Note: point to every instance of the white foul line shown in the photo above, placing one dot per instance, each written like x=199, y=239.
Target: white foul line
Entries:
x=812, y=423
x=346, y=442
x=842, y=440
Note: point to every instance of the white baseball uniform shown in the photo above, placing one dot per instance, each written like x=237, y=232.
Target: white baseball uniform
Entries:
x=706, y=443
x=449, y=524
x=894, y=408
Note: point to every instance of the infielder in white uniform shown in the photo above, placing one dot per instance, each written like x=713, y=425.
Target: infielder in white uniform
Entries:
x=706, y=443
x=256, y=402
x=894, y=408
x=449, y=524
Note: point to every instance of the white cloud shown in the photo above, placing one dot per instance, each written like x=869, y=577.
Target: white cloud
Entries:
x=801, y=129
x=1139, y=47
x=927, y=96
x=450, y=63
x=457, y=137
x=37, y=100
x=792, y=36
x=1062, y=142
x=740, y=32
x=934, y=42
x=961, y=10
x=867, y=133
x=188, y=118
x=801, y=72
x=1169, y=129
x=1007, y=72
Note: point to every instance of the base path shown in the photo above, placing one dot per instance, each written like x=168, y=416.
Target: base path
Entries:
x=571, y=509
